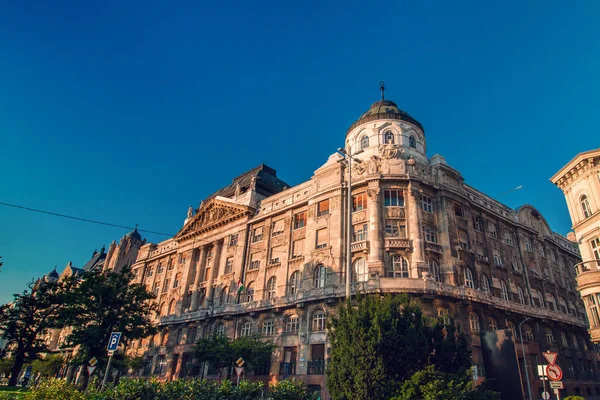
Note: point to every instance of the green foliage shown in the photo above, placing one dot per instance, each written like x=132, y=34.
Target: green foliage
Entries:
x=379, y=342
x=574, y=398
x=24, y=321
x=431, y=384
x=54, y=389
x=221, y=352
x=48, y=366
x=291, y=389
x=103, y=302
x=6, y=366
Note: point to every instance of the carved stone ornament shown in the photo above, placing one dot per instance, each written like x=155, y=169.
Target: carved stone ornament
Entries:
x=334, y=203
x=370, y=166
x=302, y=337
x=388, y=151
x=372, y=193
x=213, y=214
x=359, y=217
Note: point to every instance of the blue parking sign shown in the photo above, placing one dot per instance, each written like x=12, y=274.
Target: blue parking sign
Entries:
x=113, y=342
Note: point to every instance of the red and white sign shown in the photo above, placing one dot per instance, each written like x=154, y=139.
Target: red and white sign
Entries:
x=554, y=372
x=239, y=370
x=550, y=357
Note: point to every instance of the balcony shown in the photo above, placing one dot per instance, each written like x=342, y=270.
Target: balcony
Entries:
x=587, y=266
x=436, y=248
x=316, y=367
x=397, y=243
x=286, y=369
x=362, y=245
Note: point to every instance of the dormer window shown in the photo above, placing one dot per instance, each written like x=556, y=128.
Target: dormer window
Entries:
x=364, y=142
x=388, y=137
x=585, y=206
x=412, y=142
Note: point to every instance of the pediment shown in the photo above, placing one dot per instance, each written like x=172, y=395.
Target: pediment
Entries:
x=212, y=215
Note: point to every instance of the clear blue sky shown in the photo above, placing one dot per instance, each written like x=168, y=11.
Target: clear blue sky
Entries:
x=128, y=112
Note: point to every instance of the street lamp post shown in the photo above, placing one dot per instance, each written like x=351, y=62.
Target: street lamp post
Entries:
x=348, y=158
x=525, y=357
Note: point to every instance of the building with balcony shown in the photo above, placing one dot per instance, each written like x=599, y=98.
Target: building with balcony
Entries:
x=415, y=226
x=580, y=182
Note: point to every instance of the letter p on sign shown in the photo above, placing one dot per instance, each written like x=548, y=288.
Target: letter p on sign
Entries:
x=113, y=342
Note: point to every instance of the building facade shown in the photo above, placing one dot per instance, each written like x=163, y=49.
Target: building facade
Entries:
x=415, y=226
x=580, y=182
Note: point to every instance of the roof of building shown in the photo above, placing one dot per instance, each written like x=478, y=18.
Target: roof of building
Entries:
x=573, y=163
x=134, y=234
x=385, y=109
x=266, y=183
x=97, y=258
x=52, y=274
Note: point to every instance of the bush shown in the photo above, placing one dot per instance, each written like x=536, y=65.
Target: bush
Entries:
x=54, y=389
x=291, y=389
x=574, y=398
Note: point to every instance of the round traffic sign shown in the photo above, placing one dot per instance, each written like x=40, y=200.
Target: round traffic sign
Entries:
x=554, y=372
x=546, y=396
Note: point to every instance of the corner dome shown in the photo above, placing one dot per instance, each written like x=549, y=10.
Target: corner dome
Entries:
x=385, y=109
x=134, y=234
x=52, y=274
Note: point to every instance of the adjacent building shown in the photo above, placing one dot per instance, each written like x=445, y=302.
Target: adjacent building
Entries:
x=259, y=257
x=580, y=182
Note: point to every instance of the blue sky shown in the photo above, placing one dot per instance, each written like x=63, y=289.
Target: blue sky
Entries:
x=128, y=112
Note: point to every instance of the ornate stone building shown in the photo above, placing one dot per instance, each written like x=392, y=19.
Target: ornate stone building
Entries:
x=580, y=182
x=416, y=227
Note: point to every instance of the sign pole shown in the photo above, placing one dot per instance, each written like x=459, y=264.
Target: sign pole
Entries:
x=238, y=380
x=557, y=391
x=106, y=372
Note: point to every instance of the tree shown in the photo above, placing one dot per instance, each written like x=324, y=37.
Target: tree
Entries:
x=379, y=342
x=24, y=321
x=103, y=302
x=48, y=366
x=221, y=352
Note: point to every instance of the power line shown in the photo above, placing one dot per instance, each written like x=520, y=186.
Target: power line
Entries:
x=82, y=219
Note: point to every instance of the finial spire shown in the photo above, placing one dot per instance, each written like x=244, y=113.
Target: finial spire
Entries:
x=382, y=88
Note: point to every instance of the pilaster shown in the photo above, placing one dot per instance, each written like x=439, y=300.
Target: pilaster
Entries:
x=375, y=259
x=416, y=232
x=199, y=268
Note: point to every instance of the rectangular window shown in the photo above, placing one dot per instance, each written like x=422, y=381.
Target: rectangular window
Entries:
x=477, y=223
x=206, y=272
x=323, y=208
x=497, y=257
x=509, y=238
x=170, y=265
x=359, y=232
x=300, y=220
x=493, y=230
x=426, y=203
x=298, y=248
x=229, y=265
x=321, y=238
x=429, y=233
x=156, y=288
x=149, y=272
x=177, y=280
x=166, y=286
x=393, y=198
x=181, y=258
x=359, y=202
x=254, y=261
x=277, y=227
x=394, y=229
x=191, y=334
x=257, y=234
x=458, y=210
x=463, y=239
x=595, y=243
x=160, y=269
x=233, y=239
x=528, y=245
x=276, y=253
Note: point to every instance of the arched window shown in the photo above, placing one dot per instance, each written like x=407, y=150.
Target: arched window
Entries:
x=361, y=272
x=172, y=307
x=246, y=329
x=520, y=294
x=398, y=267
x=585, y=206
x=469, y=278
x=295, y=282
x=318, y=321
x=528, y=333
x=320, y=276
x=164, y=338
x=162, y=309
x=364, y=142
x=473, y=323
x=412, y=142
x=388, y=137
x=493, y=324
x=271, y=287
x=503, y=291
x=434, y=270
x=224, y=297
x=551, y=302
x=268, y=327
x=443, y=314
x=249, y=297
x=220, y=330
x=292, y=324
x=485, y=283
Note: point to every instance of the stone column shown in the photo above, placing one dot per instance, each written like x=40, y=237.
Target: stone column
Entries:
x=218, y=246
x=375, y=260
x=199, y=268
x=416, y=231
